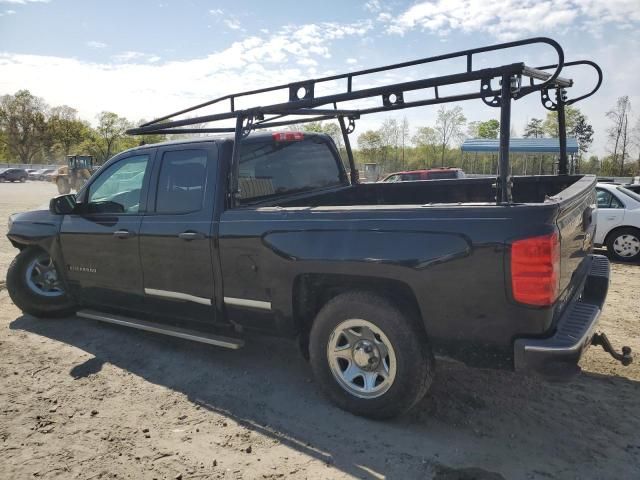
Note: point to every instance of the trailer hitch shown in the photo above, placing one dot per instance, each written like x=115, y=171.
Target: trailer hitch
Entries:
x=600, y=339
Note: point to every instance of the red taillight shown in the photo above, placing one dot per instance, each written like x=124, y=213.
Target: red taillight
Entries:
x=287, y=136
x=535, y=270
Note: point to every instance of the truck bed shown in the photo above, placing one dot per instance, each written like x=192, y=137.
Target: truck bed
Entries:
x=530, y=189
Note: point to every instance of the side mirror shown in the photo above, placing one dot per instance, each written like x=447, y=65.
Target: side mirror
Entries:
x=63, y=204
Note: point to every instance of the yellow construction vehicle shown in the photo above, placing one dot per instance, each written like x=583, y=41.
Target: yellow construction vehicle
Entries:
x=75, y=174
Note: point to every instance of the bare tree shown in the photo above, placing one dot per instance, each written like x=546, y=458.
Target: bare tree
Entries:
x=449, y=126
x=619, y=132
x=404, y=137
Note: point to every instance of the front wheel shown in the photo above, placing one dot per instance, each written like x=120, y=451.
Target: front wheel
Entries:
x=63, y=186
x=369, y=357
x=35, y=286
x=23, y=179
x=624, y=245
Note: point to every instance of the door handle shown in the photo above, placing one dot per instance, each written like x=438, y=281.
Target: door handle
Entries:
x=122, y=234
x=188, y=236
x=611, y=218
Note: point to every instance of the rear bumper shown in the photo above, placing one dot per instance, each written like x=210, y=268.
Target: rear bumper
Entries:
x=560, y=353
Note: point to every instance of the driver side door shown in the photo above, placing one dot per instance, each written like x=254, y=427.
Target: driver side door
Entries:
x=100, y=243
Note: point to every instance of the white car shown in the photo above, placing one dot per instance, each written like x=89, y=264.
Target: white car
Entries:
x=618, y=218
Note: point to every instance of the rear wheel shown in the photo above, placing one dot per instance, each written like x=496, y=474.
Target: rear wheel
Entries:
x=63, y=186
x=624, y=244
x=23, y=179
x=35, y=286
x=369, y=357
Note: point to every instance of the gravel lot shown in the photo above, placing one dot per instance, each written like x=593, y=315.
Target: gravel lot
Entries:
x=79, y=399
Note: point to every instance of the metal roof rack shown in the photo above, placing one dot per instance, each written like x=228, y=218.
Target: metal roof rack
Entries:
x=309, y=107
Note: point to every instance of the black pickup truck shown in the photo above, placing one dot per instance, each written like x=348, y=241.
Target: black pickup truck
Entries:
x=205, y=239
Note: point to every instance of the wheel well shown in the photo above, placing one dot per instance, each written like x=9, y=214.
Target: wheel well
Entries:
x=312, y=291
x=606, y=239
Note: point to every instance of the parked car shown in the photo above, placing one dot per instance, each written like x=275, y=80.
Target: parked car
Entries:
x=618, y=221
x=14, y=175
x=40, y=174
x=634, y=187
x=428, y=174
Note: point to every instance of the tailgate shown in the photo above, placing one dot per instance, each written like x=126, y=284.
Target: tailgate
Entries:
x=576, y=224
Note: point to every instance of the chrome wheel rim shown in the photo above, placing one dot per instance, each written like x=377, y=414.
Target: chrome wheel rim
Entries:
x=361, y=358
x=626, y=245
x=42, y=277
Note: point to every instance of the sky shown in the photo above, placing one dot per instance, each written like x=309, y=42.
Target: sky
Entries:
x=143, y=59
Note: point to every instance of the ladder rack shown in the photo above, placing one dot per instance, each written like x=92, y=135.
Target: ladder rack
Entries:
x=497, y=87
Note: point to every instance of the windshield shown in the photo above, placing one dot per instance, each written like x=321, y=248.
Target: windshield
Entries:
x=629, y=193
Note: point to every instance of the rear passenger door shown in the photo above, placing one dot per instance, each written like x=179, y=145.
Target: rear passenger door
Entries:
x=176, y=234
x=610, y=214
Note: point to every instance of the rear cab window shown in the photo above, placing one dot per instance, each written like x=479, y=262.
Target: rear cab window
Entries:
x=182, y=181
x=269, y=167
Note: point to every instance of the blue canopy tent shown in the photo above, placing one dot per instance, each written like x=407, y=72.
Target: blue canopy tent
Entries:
x=525, y=146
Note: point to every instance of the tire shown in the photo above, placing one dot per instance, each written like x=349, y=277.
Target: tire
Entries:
x=29, y=294
x=624, y=244
x=409, y=365
x=23, y=179
x=63, y=186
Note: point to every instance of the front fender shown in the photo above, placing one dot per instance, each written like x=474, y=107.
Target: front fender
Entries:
x=37, y=227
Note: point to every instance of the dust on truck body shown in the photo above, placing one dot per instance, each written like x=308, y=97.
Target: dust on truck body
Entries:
x=206, y=239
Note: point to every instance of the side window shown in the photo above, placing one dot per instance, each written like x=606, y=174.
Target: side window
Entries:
x=182, y=181
x=607, y=200
x=118, y=189
x=615, y=203
x=604, y=198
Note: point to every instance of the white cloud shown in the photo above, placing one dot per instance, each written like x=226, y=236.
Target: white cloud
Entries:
x=216, y=11
x=232, y=24
x=133, y=85
x=7, y=12
x=127, y=56
x=373, y=5
x=96, y=44
x=352, y=61
x=510, y=19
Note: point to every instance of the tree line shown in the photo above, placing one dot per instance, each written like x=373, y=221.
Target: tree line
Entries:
x=31, y=131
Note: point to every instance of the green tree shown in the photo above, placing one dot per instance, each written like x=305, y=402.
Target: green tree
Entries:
x=583, y=133
x=110, y=130
x=23, y=123
x=489, y=129
x=534, y=128
x=66, y=129
x=426, y=142
x=571, y=115
x=370, y=145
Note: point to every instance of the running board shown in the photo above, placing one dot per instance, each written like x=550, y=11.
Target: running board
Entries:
x=194, y=335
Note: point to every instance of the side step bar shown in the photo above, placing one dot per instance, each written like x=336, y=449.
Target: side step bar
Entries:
x=194, y=335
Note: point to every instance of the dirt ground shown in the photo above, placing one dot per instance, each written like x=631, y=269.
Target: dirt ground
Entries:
x=80, y=399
